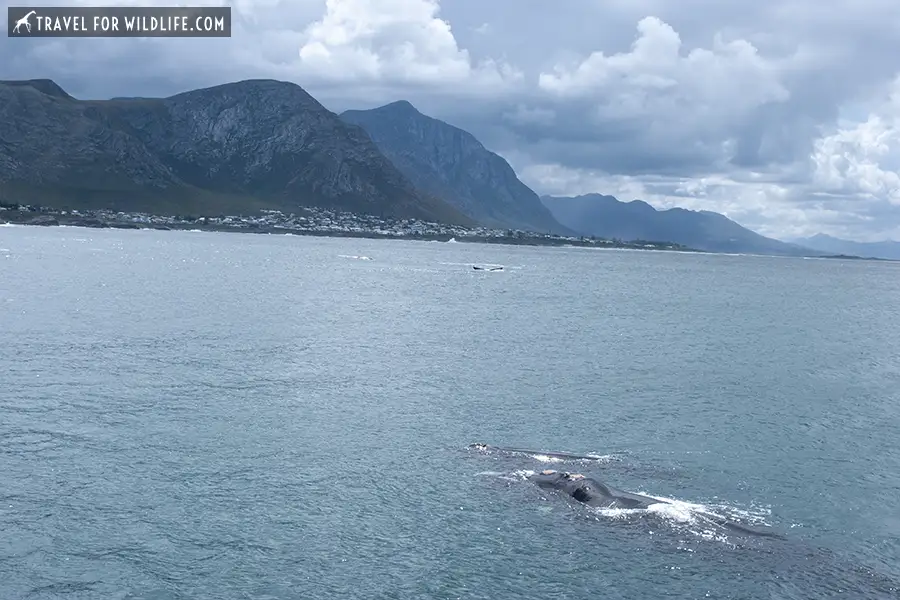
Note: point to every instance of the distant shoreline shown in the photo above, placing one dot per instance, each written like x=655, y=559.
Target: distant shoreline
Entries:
x=52, y=218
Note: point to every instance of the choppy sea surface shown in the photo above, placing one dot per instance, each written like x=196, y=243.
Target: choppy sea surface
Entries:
x=214, y=415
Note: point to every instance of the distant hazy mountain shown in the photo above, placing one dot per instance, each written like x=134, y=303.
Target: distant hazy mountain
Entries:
x=607, y=217
x=226, y=149
x=833, y=245
x=451, y=164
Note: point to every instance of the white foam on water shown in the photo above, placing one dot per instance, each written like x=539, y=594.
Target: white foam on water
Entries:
x=546, y=459
x=675, y=511
x=353, y=256
x=754, y=514
x=588, y=458
x=698, y=519
x=517, y=476
x=681, y=512
x=601, y=457
x=617, y=513
x=471, y=264
x=7, y=225
x=523, y=474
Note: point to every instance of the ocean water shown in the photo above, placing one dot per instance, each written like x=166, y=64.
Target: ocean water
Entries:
x=214, y=415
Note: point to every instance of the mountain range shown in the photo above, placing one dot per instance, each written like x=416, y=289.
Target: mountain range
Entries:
x=240, y=147
x=887, y=249
x=451, y=164
x=231, y=148
x=606, y=217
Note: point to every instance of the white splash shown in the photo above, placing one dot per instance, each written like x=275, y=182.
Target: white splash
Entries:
x=546, y=459
x=588, y=458
x=701, y=520
x=523, y=474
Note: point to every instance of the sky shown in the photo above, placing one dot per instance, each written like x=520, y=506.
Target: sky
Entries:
x=784, y=115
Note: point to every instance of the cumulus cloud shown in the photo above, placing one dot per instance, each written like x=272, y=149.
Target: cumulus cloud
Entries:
x=862, y=159
x=701, y=93
x=339, y=46
x=657, y=105
x=726, y=128
x=393, y=41
x=655, y=64
x=782, y=115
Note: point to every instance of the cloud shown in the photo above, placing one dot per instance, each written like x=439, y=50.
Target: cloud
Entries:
x=862, y=159
x=343, y=49
x=782, y=115
x=669, y=93
x=655, y=69
x=750, y=133
x=393, y=41
x=656, y=106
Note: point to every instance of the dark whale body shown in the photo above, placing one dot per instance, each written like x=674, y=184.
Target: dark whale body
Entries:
x=560, y=455
x=591, y=492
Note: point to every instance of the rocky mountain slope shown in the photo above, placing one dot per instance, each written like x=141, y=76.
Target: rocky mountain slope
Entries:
x=230, y=148
x=451, y=164
x=607, y=217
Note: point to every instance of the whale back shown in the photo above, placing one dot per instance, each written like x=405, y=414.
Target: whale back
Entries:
x=596, y=493
x=591, y=491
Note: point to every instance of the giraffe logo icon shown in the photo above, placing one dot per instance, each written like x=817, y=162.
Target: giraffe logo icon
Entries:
x=23, y=21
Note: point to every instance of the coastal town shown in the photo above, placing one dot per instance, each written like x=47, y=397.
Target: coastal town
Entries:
x=309, y=221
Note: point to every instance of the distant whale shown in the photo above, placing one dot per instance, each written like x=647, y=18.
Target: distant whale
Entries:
x=594, y=493
x=477, y=268
x=560, y=455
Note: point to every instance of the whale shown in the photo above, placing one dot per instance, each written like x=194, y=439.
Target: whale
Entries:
x=559, y=455
x=591, y=492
